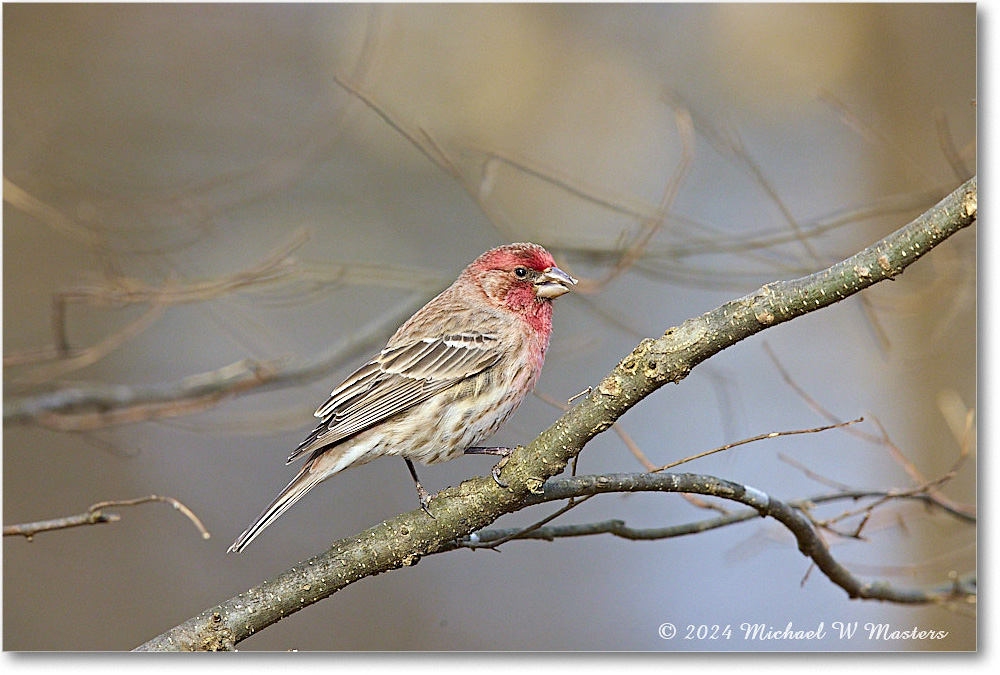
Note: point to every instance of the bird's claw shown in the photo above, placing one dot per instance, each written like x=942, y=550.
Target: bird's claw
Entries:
x=499, y=452
x=497, y=469
x=425, y=499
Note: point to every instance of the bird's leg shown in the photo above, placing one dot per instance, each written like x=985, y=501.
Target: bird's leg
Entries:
x=500, y=452
x=424, y=496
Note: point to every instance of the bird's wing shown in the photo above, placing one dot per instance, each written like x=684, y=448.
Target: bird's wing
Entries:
x=399, y=378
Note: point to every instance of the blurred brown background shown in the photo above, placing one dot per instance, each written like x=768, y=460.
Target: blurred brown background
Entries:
x=175, y=145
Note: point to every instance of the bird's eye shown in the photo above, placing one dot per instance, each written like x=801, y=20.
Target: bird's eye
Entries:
x=520, y=272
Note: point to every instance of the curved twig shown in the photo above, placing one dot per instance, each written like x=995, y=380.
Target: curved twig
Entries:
x=95, y=514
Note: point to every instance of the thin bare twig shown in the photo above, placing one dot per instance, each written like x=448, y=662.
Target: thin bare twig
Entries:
x=809, y=473
x=731, y=144
x=278, y=265
x=812, y=402
x=884, y=439
x=716, y=241
x=95, y=514
x=288, y=164
x=700, y=503
x=177, y=504
x=423, y=143
x=618, y=528
x=873, y=135
x=474, y=542
x=618, y=203
x=29, y=530
x=21, y=199
x=789, y=514
x=924, y=486
x=867, y=511
x=760, y=437
x=947, y=143
x=652, y=225
x=120, y=291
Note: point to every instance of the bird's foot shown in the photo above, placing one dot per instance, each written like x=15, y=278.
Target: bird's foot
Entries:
x=425, y=499
x=504, y=453
x=422, y=494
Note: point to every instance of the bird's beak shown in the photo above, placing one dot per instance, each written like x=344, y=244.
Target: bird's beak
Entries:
x=553, y=282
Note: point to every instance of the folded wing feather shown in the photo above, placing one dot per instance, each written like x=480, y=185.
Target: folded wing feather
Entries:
x=398, y=379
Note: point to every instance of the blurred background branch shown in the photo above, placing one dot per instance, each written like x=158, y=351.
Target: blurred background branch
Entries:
x=87, y=407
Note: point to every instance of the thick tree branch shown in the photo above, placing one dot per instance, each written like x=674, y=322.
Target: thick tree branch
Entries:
x=476, y=503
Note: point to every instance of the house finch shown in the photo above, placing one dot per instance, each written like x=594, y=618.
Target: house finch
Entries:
x=448, y=378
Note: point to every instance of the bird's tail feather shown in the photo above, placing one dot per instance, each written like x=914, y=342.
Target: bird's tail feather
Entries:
x=304, y=481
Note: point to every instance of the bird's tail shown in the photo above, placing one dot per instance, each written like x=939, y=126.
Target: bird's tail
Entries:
x=304, y=481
